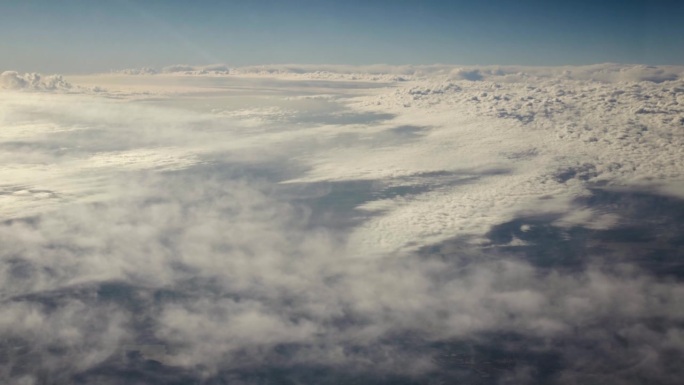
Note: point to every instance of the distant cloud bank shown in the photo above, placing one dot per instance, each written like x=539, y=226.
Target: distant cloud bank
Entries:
x=33, y=81
x=608, y=72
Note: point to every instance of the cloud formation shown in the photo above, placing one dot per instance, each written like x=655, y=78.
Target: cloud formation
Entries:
x=606, y=73
x=441, y=230
x=225, y=276
x=13, y=80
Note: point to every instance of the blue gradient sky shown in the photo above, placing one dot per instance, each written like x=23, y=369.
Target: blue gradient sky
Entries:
x=86, y=36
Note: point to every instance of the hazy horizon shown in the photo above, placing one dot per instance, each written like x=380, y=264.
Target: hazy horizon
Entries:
x=198, y=217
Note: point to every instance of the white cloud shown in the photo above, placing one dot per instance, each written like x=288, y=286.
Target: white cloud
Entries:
x=607, y=72
x=167, y=225
x=551, y=135
x=33, y=81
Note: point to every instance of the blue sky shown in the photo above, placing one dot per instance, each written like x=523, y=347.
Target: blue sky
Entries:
x=86, y=36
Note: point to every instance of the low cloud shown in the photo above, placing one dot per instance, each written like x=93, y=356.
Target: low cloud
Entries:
x=212, y=245
x=229, y=277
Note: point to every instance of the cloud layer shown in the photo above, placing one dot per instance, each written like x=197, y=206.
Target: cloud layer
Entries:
x=607, y=72
x=447, y=228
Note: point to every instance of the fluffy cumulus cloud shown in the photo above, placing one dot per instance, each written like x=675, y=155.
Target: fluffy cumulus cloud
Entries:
x=13, y=80
x=437, y=230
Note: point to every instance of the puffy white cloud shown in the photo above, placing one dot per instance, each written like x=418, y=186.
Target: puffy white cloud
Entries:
x=33, y=81
x=554, y=136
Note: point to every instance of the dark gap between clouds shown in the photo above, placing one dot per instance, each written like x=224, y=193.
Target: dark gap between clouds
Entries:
x=649, y=234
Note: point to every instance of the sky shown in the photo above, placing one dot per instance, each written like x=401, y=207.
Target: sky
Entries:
x=86, y=36
x=441, y=224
